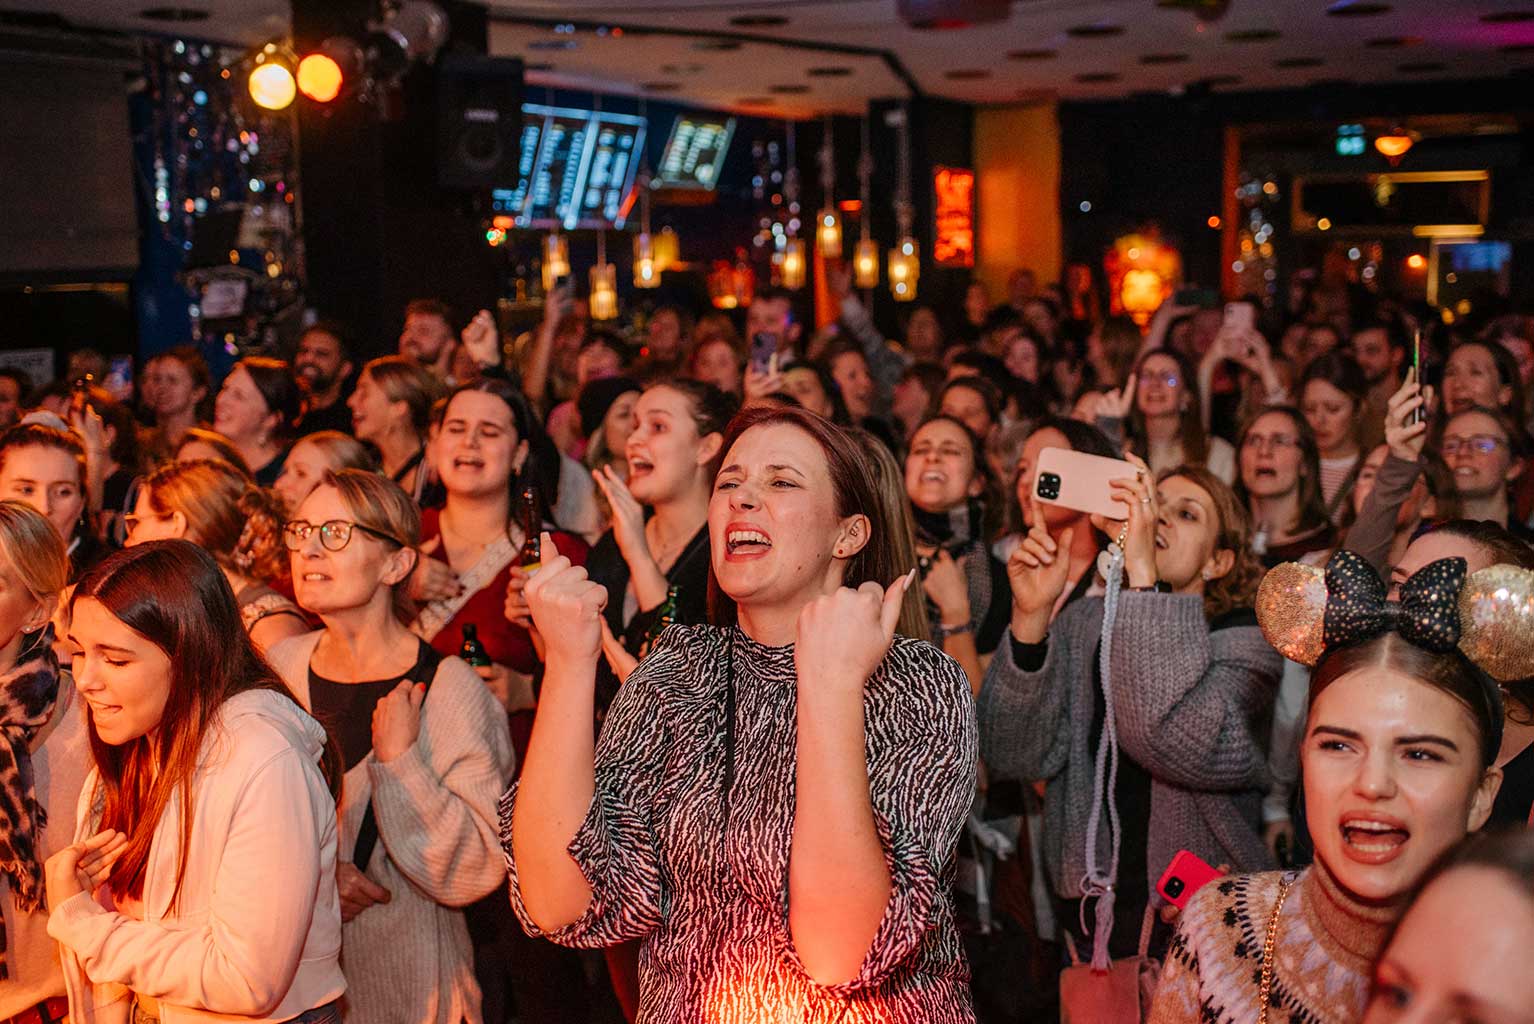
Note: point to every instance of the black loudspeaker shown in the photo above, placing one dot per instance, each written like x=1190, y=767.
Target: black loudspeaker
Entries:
x=479, y=121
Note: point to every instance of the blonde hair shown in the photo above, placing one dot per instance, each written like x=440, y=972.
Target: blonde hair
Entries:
x=340, y=451
x=404, y=380
x=380, y=504
x=33, y=549
x=235, y=521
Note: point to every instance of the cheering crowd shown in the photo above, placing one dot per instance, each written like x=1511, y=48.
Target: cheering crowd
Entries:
x=735, y=671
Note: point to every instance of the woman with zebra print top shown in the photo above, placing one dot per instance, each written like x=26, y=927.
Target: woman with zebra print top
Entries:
x=775, y=799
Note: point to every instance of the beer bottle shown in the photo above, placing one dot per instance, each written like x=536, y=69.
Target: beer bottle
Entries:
x=529, y=557
x=665, y=616
x=472, y=650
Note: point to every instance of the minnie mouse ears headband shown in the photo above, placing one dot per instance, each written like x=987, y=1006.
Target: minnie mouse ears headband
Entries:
x=1488, y=615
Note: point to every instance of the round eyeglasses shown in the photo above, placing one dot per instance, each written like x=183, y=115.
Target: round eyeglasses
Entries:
x=334, y=535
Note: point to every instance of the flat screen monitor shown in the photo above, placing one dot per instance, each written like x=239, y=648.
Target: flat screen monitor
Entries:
x=576, y=168
x=695, y=153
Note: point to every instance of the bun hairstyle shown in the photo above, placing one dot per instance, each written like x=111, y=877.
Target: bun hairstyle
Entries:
x=235, y=521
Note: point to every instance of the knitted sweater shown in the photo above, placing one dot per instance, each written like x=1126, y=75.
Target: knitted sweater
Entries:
x=409, y=959
x=1190, y=704
x=1322, y=953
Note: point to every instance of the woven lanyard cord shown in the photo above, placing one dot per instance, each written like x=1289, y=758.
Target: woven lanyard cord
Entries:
x=1099, y=881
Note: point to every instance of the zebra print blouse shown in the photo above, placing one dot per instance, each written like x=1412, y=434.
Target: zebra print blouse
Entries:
x=711, y=902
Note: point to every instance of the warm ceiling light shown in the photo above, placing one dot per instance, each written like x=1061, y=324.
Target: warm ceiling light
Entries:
x=272, y=85
x=1214, y=222
x=320, y=77
x=1394, y=144
x=1416, y=261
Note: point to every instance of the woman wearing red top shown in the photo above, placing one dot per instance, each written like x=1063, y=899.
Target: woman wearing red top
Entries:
x=488, y=447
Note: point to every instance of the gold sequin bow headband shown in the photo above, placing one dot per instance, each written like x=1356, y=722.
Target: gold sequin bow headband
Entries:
x=1304, y=611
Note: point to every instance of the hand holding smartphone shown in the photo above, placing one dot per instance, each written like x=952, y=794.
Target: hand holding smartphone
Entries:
x=1186, y=875
x=764, y=344
x=1079, y=481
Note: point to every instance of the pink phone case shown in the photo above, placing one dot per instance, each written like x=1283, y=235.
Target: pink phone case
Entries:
x=1186, y=875
x=1239, y=316
x=1079, y=481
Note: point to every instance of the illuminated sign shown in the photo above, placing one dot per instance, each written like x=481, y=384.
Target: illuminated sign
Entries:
x=953, y=191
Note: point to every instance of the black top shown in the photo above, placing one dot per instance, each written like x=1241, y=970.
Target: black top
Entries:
x=1516, y=797
x=267, y=475
x=689, y=574
x=336, y=416
x=346, y=709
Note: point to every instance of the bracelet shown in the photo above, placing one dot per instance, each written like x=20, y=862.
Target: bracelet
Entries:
x=944, y=632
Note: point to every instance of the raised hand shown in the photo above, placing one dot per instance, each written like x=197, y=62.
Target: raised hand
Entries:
x=482, y=339
x=566, y=607
x=843, y=636
x=397, y=720
x=83, y=866
x=1038, y=571
x=1405, y=437
x=1138, y=496
x=1116, y=404
x=759, y=384
x=628, y=515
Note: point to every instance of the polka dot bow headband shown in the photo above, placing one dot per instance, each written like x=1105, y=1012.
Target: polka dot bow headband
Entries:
x=1305, y=611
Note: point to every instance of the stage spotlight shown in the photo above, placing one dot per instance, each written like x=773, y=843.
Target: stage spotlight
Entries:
x=334, y=67
x=271, y=80
x=415, y=30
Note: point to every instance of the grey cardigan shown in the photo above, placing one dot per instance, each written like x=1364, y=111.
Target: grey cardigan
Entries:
x=1192, y=707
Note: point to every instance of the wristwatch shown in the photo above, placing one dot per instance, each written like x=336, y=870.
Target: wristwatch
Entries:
x=1159, y=587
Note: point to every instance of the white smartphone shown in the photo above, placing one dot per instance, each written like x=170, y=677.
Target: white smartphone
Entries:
x=1077, y=480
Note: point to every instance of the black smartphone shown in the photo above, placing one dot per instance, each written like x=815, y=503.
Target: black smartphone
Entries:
x=80, y=395
x=1204, y=298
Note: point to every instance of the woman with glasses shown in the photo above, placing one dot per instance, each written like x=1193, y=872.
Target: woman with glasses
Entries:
x=1166, y=427
x=1281, y=485
x=425, y=749
x=1481, y=446
x=215, y=506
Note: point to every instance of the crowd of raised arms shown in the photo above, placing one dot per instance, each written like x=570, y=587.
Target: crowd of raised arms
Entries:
x=736, y=670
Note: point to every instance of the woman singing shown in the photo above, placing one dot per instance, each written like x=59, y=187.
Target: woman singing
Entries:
x=776, y=799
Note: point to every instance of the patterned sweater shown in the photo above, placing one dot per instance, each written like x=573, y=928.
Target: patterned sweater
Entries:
x=1322, y=959
x=708, y=894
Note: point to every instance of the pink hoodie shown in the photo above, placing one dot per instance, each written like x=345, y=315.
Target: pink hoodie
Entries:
x=257, y=932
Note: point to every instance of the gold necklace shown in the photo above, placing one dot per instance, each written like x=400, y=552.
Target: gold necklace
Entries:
x=1269, y=943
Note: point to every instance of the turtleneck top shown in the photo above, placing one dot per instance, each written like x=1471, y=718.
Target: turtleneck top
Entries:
x=1324, y=951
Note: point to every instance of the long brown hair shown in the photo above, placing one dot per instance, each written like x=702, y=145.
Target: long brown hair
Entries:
x=855, y=490
x=1190, y=417
x=173, y=593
